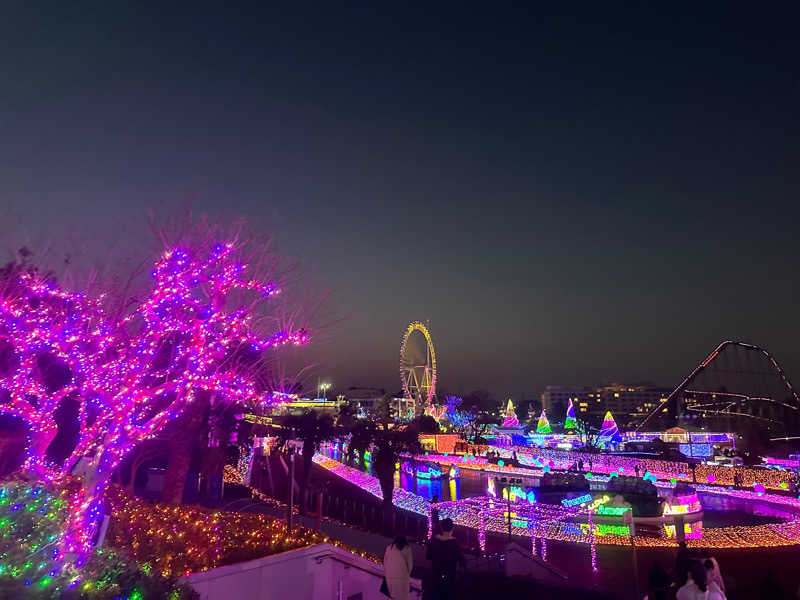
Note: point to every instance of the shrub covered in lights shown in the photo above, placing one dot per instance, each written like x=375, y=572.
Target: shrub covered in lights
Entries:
x=32, y=517
x=107, y=575
x=176, y=540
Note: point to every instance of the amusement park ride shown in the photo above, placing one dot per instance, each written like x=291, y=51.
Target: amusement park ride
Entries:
x=418, y=370
x=624, y=486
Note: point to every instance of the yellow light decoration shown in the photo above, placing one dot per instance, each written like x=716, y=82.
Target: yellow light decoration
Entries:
x=178, y=540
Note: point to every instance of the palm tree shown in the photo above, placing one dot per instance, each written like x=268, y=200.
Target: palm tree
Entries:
x=386, y=445
x=385, y=412
x=313, y=428
x=346, y=417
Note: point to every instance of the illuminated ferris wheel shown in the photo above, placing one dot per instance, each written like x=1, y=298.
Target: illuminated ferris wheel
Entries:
x=418, y=366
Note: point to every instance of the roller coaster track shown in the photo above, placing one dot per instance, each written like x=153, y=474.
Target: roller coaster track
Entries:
x=723, y=401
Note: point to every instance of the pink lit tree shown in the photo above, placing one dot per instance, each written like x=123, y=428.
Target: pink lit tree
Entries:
x=205, y=424
x=197, y=333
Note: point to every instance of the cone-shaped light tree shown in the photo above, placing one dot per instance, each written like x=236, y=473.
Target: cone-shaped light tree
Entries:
x=569, y=422
x=510, y=418
x=609, y=432
x=543, y=426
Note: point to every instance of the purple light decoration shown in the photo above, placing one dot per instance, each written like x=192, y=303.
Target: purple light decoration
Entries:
x=592, y=547
x=559, y=521
x=130, y=378
x=51, y=338
x=510, y=419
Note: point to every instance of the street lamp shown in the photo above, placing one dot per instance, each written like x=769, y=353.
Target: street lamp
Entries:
x=322, y=389
x=505, y=483
x=292, y=446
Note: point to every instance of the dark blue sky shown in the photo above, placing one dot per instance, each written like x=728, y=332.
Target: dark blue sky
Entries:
x=567, y=197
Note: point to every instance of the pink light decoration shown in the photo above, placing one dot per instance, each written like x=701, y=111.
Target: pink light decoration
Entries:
x=51, y=339
x=662, y=469
x=548, y=522
x=784, y=462
x=510, y=419
x=130, y=378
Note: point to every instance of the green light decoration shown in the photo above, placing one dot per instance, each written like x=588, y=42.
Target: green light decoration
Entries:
x=615, y=511
x=570, y=422
x=543, y=426
x=32, y=519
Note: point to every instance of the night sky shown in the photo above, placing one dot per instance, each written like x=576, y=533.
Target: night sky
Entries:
x=567, y=198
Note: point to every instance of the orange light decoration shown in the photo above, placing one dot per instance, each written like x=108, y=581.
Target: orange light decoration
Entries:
x=177, y=540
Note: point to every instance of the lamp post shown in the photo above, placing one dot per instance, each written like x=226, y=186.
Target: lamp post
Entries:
x=628, y=520
x=505, y=483
x=293, y=446
x=322, y=389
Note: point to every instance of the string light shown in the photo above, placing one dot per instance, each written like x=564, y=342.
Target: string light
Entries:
x=178, y=540
x=551, y=522
x=130, y=378
x=32, y=516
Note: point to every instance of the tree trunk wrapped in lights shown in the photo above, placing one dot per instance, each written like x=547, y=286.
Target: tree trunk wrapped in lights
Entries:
x=181, y=444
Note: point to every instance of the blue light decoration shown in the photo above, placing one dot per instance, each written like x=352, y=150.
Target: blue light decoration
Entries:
x=424, y=470
x=695, y=450
x=567, y=502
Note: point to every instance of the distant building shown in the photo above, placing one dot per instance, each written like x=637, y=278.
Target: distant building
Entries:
x=403, y=408
x=592, y=403
x=300, y=405
x=626, y=400
x=555, y=399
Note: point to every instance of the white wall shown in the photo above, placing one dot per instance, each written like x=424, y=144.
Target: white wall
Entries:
x=321, y=572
